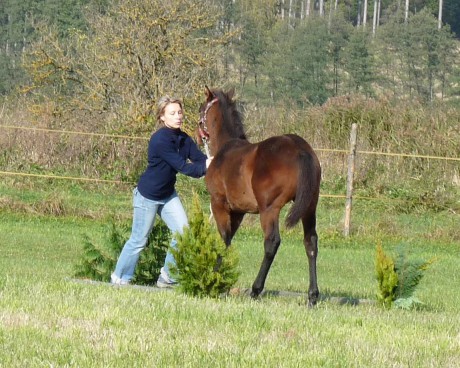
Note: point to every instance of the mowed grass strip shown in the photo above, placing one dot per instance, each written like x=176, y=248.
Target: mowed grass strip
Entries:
x=47, y=320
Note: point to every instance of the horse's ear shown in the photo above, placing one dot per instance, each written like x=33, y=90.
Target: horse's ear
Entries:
x=231, y=93
x=208, y=93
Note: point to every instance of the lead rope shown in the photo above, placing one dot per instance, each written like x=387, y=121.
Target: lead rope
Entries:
x=204, y=139
x=206, y=146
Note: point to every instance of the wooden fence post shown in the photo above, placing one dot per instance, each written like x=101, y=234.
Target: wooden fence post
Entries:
x=350, y=175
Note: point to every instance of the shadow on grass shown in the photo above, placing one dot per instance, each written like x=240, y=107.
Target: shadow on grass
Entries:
x=342, y=299
x=330, y=297
x=334, y=298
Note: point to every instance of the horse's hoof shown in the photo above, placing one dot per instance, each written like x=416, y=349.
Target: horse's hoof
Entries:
x=313, y=299
x=255, y=294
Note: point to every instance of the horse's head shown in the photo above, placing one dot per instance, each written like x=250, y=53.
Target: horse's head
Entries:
x=217, y=112
x=203, y=132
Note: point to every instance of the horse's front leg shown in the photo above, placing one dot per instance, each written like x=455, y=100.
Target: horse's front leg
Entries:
x=311, y=247
x=227, y=223
x=221, y=214
x=272, y=240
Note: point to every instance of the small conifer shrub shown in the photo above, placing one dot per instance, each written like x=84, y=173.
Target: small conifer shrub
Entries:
x=204, y=265
x=98, y=260
x=386, y=277
x=399, y=277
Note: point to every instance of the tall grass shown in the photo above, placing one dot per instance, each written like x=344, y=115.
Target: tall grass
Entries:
x=406, y=127
x=384, y=126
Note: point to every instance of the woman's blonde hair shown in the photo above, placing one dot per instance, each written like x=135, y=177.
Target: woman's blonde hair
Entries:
x=163, y=102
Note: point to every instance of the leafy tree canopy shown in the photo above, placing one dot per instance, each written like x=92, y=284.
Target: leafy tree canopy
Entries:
x=135, y=52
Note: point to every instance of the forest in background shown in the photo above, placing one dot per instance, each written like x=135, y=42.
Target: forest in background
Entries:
x=100, y=66
x=273, y=50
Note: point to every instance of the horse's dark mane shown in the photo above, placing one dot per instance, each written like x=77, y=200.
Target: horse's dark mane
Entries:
x=233, y=121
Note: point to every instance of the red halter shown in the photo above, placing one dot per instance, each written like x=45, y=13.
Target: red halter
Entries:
x=202, y=129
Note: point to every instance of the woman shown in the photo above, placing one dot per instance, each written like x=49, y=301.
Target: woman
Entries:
x=170, y=151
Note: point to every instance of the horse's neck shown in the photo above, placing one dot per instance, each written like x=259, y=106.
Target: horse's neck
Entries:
x=220, y=139
x=218, y=143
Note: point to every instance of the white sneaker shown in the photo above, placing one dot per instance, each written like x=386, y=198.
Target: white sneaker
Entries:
x=114, y=279
x=164, y=281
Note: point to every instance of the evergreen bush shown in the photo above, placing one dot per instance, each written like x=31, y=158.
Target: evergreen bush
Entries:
x=98, y=260
x=398, y=278
x=386, y=277
x=204, y=265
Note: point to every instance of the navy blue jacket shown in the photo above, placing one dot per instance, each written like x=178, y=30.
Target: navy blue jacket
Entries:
x=170, y=151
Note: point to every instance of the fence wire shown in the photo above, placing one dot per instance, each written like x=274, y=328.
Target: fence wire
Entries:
x=119, y=182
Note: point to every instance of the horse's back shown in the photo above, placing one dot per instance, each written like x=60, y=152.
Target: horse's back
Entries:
x=253, y=176
x=276, y=167
x=282, y=152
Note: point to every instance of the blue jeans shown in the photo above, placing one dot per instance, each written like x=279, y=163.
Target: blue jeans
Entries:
x=171, y=212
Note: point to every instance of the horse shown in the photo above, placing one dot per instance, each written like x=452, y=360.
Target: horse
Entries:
x=259, y=178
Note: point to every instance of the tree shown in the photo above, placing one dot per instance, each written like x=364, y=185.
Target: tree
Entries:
x=359, y=64
x=251, y=46
x=425, y=51
x=406, y=11
x=365, y=14
x=17, y=30
x=340, y=31
x=374, y=18
x=321, y=8
x=297, y=62
x=440, y=15
x=451, y=15
x=426, y=55
x=133, y=53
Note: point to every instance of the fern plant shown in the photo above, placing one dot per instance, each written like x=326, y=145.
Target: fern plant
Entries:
x=99, y=260
x=410, y=272
x=204, y=265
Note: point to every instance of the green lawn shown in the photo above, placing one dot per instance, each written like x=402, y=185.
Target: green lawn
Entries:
x=49, y=320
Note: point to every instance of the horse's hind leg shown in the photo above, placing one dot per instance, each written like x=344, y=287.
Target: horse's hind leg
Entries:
x=311, y=247
x=272, y=242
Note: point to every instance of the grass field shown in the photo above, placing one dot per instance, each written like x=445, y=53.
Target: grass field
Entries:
x=47, y=319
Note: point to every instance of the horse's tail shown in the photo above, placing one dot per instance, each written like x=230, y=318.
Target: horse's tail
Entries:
x=307, y=193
